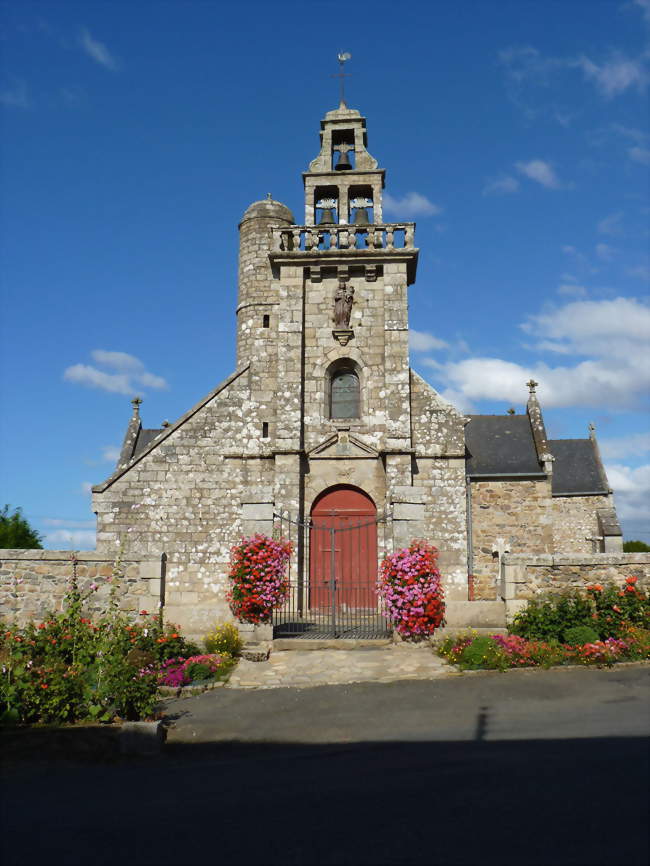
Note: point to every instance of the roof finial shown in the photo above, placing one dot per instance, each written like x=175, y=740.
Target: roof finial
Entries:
x=592, y=429
x=136, y=406
x=343, y=57
x=532, y=384
x=268, y=196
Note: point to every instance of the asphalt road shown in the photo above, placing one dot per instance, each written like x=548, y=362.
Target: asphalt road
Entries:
x=521, y=768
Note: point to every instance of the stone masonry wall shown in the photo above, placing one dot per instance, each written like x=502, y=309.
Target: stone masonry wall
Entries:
x=34, y=582
x=520, y=513
x=186, y=498
x=575, y=522
x=525, y=576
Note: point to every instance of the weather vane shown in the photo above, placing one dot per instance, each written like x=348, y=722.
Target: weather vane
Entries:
x=343, y=57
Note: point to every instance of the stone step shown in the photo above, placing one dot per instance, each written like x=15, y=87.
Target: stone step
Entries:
x=475, y=614
x=332, y=643
x=441, y=633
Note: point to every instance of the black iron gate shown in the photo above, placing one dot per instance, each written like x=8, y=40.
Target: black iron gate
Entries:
x=332, y=585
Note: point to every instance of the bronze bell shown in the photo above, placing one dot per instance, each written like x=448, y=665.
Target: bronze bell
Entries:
x=344, y=162
x=361, y=217
x=327, y=217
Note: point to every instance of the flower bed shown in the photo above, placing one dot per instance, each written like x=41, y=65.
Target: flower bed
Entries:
x=410, y=586
x=600, y=627
x=499, y=652
x=68, y=668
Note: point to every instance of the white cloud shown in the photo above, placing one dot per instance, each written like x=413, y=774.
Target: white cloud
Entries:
x=632, y=491
x=411, y=205
x=639, y=154
x=611, y=225
x=624, y=447
x=613, y=336
x=71, y=539
x=605, y=253
x=584, y=324
x=15, y=96
x=110, y=453
x=87, y=487
x=118, y=361
x=540, y=171
x=640, y=271
x=419, y=341
x=97, y=50
x=501, y=185
x=572, y=289
x=645, y=7
x=130, y=373
x=616, y=75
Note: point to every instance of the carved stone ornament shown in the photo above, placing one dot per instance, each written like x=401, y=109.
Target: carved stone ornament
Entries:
x=343, y=335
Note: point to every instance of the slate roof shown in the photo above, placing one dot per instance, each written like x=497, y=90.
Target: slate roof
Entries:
x=576, y=468
x=504, y=445
x=145, y=437
x=500, y=445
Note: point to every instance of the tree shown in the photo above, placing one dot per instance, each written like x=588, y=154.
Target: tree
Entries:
x=15, y=531
x=636, y=547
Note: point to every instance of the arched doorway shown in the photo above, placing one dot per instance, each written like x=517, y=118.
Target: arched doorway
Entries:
x=343, y=552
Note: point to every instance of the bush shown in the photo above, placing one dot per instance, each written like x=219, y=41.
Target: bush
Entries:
x=615, y=608
x=550, y=618
x=181, y=672
x=580, y=634
x=224, y=639
x=68, y=668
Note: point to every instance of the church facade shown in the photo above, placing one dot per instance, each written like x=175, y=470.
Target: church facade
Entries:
x=323, y=415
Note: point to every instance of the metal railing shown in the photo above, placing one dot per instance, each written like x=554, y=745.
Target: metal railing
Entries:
x=332, y=591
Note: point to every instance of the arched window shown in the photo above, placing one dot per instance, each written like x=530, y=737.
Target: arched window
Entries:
x=344, y=394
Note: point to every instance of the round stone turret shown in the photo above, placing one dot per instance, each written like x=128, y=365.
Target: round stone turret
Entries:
x=256, y=300
x=268, y=208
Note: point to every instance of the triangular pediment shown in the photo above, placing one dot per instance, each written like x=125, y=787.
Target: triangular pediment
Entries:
x=342, y=445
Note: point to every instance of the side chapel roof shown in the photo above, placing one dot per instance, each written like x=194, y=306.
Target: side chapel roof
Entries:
x=498, y=445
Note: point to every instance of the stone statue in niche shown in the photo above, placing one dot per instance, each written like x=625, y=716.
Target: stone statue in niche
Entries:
x=343, y=300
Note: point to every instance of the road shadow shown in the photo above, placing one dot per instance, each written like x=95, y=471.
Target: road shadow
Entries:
x=580, y=801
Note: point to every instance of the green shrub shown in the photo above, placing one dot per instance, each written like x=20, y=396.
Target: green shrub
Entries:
x=482, y=652
x=579, y=635
x=224, y=639
x=548, y=619
x=197, y=672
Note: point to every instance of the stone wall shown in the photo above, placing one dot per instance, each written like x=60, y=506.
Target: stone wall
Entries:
x=575, y=522
x=34, y=582
x=524, y=576
x=520, y=512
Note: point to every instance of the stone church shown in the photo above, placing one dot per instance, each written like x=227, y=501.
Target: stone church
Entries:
x=324, y=419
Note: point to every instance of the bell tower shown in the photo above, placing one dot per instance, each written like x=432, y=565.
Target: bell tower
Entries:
x=343, y=184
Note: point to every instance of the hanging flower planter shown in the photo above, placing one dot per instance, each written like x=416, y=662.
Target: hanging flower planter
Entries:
x=410, y=586
x=258, y=572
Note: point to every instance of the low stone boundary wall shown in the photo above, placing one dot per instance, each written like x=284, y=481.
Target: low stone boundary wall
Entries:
x=525, y=576
x=33, y=582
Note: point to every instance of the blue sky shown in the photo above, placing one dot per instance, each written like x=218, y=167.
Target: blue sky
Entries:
x=135, y=134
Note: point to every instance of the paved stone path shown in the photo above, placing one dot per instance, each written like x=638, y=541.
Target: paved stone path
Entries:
x=305, y=668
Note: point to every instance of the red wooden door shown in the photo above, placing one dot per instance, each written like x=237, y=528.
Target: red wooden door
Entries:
x=343, y=536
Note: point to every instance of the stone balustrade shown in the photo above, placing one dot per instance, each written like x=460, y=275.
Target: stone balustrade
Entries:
x=309, y=239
